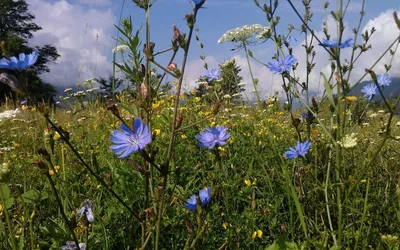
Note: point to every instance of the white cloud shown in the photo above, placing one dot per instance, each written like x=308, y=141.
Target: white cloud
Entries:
x=82, y=36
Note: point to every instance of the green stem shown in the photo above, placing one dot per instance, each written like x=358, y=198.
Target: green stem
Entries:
x=363, y=215
x=11, y=236
x=251, y=72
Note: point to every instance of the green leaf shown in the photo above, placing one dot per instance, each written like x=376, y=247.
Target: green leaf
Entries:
x=133, y=110
x=282, y=243
x=5, y=190
x=31, y=196
x=8, y=202
x=328, y=89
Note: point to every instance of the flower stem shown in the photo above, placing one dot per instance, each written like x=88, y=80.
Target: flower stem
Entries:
x=251, y=72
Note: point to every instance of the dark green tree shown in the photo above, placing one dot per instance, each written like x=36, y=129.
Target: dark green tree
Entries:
x=16, y=28
x=107, y=84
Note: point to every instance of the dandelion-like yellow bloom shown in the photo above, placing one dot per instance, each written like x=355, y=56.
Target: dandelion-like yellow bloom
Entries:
x=259, y=233
x=184, y=137
x=225, y=225
x=351, y=98
x=254, y=235
x=157, y=131
x=197, y=99
x=247, y=182
x=51, y=172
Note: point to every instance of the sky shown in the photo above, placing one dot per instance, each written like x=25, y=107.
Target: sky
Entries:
x=83, y=31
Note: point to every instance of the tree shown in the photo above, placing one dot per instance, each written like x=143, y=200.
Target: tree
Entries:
x=107, y=85
x=16, y=28
x=227, y=84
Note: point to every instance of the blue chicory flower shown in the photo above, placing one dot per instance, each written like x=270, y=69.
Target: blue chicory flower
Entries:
x=87, y=209
x=306, y=115
x=212, y=74
x=72, y=246
x=191, y=203
x=301, y=149
x=205, y=196
x=212, y=136
x=289, y=41
x=129, y=141
x=333, y=43
x=369, y=91
x=384, y=80
x=282, y=64
x=23, y=62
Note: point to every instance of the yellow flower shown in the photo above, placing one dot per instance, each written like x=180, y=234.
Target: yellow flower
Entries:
x=56, y=136
x=259, y=233
x=351, y=98
x=221, y=149
x=212, y=124
x=56, y=168
x=254, y=235
x=197, y=99
x=24, y=107
x=156, y=105
x=157, y=131
x=247, y=182
x=225, y=225
x=183, y=137
x=33, y=109
x=51, y=172
x=16, y=145
x=193, y=92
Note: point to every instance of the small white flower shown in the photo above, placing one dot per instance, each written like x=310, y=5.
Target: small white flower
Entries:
x=120, y=48
x=242, y=84
x=241, y=34
x=227, y=96
x=348, y=141
x=68, y=90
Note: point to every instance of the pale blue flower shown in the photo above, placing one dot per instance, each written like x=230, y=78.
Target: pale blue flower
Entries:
x=72, y=246
x=212, y=74
x=213, y=136
x=87, y=209
x=129, y=140
x=333, y=43
x=191, y=203
x=301, y=149
x=205, y=196
x=282, y=64
x=384, y=80
x=369, y=91
x=289, y=41
x=23, y=62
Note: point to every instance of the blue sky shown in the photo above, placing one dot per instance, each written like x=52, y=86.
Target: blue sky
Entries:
x=82, y=31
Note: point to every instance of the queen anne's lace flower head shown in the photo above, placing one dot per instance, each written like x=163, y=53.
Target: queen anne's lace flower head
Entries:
x=241, y=34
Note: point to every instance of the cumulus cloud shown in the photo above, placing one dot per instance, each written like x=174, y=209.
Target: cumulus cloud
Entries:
x=82, y=36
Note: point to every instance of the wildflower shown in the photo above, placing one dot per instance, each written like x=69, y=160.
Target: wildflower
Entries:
x=247, y=182
x=369, y=91
x=157, y=131
x=87, y=209
x=282, y=65
x=8, y=114
x=120, y=48
x=225, y=225
x=259, y=233
x=72, y=245
x=289, y=41
x=212, y=74
x=254, y=235
x=199, y=3
x=68, y=90
x=4, y=170
x=191, y=203
x=306, y=115
x=351, y=98
x=128, y=141
x=333, y=43
x=197, y=99
x=300, y=149
x=241, y=34
x=265, y=33
x=212, y=136
x=23, y=62
x=205, y=196
x=348, y=141
x=384, y=80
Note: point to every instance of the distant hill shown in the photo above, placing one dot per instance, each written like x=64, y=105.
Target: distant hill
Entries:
x=389, y=92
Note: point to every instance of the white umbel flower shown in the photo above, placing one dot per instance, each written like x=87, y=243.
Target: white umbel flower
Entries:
x=120, y=48
x=348, y=141
x=241, y=34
